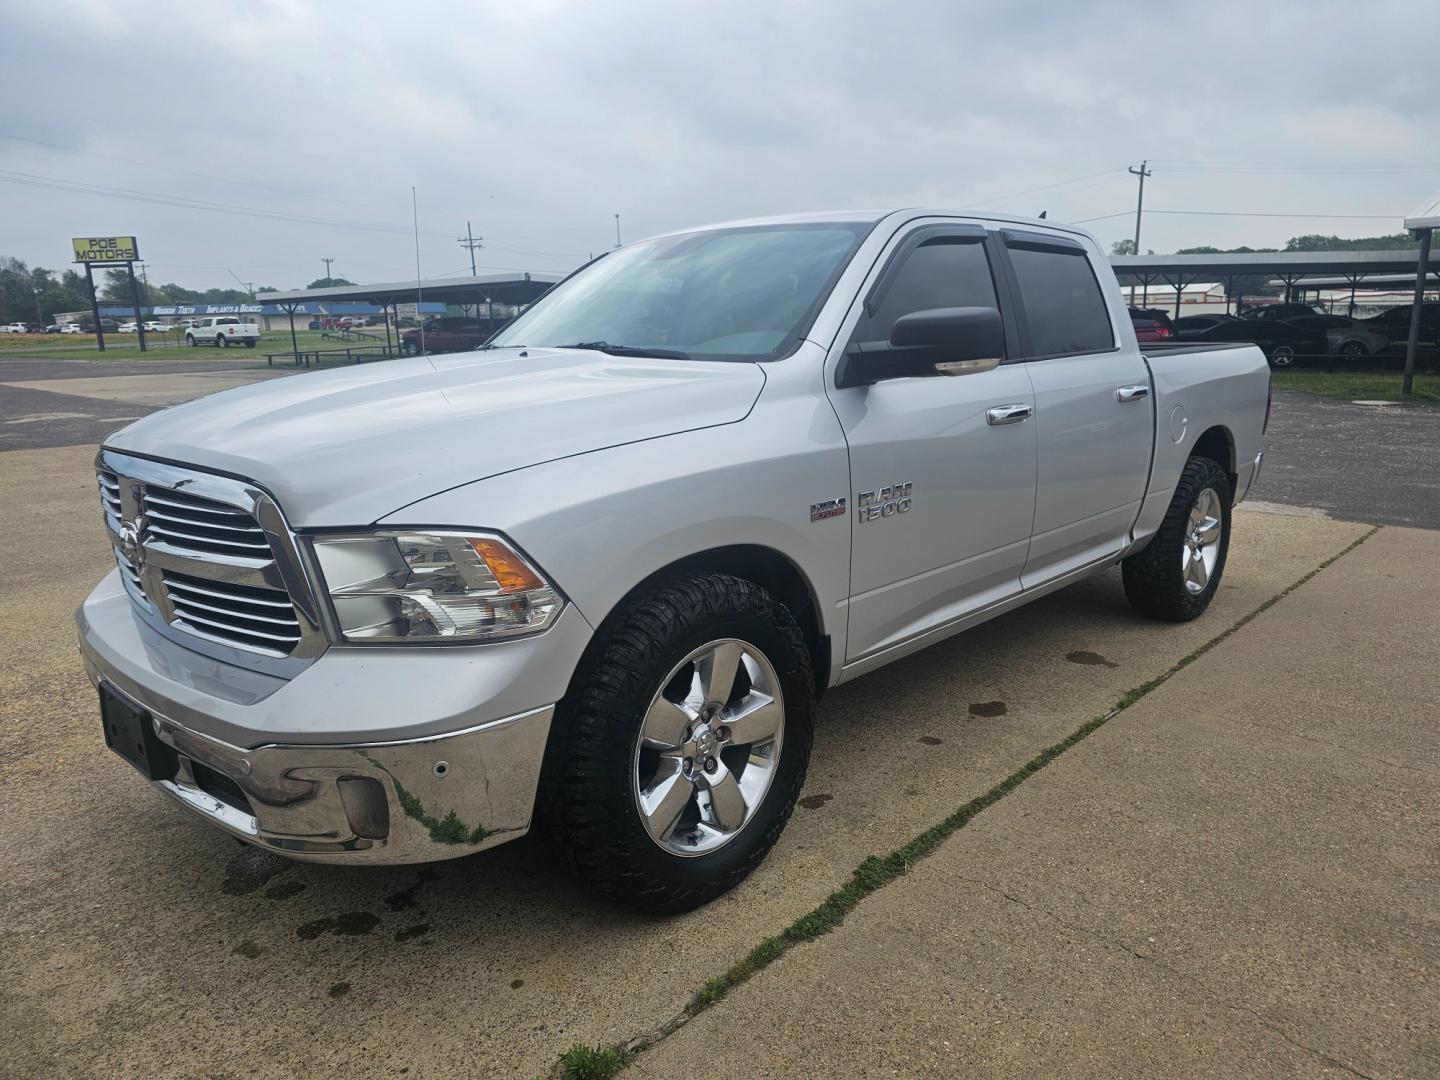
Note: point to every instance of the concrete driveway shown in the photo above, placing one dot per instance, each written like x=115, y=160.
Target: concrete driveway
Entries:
x=1266, y=816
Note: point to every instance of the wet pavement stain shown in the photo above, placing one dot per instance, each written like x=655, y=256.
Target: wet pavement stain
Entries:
x=250, y=870
x=515, y=984
x=1093, y=659
x=283, y=890
x=814, y=802
x=988, y=708
x=931, y=740
x=247, y=949
x=412, y=932
x=339, y=989
x=351, y=924
x=406, y=898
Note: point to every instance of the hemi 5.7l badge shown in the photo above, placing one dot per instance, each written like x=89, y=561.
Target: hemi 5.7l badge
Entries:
x=829, y=508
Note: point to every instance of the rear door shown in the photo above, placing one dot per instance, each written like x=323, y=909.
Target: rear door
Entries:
x=1094, y=417
x=941, y=496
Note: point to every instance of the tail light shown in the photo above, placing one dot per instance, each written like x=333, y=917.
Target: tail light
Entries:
x=1164, y=332
x=1269, y=400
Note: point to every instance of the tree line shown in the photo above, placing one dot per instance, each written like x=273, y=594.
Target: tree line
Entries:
x=36, y=295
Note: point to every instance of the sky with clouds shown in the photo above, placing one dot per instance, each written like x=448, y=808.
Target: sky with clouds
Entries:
x=259, y=137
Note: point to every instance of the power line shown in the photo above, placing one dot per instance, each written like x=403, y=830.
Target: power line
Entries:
x=1242, y=213
x=1107, y=174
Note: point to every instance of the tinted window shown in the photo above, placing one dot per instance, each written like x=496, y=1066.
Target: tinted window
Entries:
x=940, y=273
x=1063, y=303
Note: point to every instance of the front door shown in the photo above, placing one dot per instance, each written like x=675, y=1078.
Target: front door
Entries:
x=942, y=468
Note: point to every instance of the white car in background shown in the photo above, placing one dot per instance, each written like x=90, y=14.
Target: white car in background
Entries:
x=157, y=328
x=14, y=328
x=71, y=328
x=127, y=328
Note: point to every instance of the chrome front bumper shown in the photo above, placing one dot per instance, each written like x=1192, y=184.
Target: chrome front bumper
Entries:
x=398, y=802
x=373, y=756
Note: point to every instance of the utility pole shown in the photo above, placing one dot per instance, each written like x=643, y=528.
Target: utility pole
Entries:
x=617, y=230
x=327, y=263
x=248, y=286
x=473, y=242
x=1142, y=173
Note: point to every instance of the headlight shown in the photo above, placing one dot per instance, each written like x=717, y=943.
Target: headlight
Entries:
x=398, y=585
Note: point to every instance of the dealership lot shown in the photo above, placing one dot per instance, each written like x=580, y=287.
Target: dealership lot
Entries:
x=1241, y=862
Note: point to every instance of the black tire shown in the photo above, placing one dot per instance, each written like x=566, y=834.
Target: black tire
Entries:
x=190, y=340
x=221, y=341
x=1155, y=577
x=587, y=794
x=1354, y=350
x=249, y=344
x=412, y=348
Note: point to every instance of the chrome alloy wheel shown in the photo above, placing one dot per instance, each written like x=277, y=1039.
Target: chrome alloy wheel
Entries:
x=1202, y=541
x=708, y=747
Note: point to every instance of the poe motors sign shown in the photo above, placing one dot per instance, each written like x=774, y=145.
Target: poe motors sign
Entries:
x=105, y=249
x=113, y=251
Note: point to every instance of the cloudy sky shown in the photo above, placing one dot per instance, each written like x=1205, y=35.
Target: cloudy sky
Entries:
x=260, y=137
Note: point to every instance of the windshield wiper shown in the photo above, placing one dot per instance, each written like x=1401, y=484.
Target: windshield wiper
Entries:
x=628, y=350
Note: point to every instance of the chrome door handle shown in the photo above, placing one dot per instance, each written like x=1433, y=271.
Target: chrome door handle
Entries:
x=1008, y=414
x=1131, y=393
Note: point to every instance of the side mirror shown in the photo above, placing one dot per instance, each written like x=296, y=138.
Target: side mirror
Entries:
x=940, y=341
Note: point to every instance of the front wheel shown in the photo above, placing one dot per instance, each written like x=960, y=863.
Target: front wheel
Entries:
x=412, y=348
x=190, y=340
x=682, y=745
x=1175, y=577
x=221, y=341
x=1282, y=356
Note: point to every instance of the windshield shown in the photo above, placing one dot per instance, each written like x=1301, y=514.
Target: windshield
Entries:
x=746, y=293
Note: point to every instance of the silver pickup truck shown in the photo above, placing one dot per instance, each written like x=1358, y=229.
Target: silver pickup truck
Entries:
x=599, y=571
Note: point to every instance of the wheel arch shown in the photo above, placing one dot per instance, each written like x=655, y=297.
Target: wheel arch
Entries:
x=767, y=567
x=1218, y=444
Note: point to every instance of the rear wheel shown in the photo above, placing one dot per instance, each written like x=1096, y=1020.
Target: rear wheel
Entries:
x=680, y=749
x=250, y=343
x=412, y=348
x=1354, y=350
x=1175, y=577
x=1282, y=355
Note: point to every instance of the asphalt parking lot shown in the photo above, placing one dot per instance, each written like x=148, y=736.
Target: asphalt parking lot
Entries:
x=1234, y=874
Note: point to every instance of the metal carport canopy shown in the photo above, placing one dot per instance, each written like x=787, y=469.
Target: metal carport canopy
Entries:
x=1282, y=264
x=500, y=288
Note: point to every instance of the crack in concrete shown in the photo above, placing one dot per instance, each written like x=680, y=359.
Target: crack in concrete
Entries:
x=1186, y=977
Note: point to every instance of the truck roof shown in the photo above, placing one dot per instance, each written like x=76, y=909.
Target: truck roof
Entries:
x=876, y=216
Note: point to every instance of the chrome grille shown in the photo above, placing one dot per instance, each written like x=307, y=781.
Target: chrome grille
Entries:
x=194, y=523
x=256, y=618
x=110, y=494
x=209, y=562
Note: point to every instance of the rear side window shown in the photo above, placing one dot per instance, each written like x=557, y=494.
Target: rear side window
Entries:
x=940, y=273
x=1063, y=303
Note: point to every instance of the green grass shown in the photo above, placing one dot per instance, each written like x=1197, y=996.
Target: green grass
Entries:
x=168, y=346
x=585, y=1063
x=1359, y=385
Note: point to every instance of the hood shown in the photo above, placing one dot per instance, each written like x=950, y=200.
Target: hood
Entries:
x=347, y=446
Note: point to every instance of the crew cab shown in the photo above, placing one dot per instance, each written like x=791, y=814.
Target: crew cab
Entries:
x=222, y=331
x=600, y=570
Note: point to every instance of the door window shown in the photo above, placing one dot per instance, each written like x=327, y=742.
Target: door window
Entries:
x=942, y=272
x=1063, y=303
